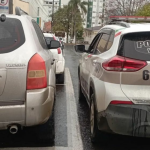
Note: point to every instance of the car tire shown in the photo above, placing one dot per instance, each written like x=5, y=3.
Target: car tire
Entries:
x=61, y=78
x=81, y=95
x=93, y=121
x=96, y=134
x=45, y=133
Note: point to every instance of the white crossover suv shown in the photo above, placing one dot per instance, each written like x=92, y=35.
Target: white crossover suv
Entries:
x=114, y=76
x=59, y=58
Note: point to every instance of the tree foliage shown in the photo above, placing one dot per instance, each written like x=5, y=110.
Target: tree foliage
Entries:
x=124, y=7
x=79, y=9
x=144, y=11
x=63, y=20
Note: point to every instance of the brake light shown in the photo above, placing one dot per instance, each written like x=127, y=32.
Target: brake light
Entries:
x=121, y=102
x=36, y=77
x=59, y=50
x=123, y=64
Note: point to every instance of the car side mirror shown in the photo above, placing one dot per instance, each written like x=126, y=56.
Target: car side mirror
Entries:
x=80, y=48
x=53, y=44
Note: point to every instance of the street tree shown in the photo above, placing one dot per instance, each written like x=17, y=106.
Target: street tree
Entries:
x=61, y=20
x=79, y=9
x=144, y=11
x=124, y=7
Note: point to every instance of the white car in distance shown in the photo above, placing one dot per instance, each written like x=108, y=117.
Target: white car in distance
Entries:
x=59, y=59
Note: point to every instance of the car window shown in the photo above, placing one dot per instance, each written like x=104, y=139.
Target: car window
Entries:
x=110, y=42
x=94, y=44
x=136, y=46
x=101, y=47
x=48, y=39
x=40, y=35
x=11, y=35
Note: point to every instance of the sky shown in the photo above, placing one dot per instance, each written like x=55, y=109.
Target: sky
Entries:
x=65, y=2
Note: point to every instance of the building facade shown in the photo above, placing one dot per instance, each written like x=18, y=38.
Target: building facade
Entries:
x=35, y=8
x=95, y=13
x=52, y=7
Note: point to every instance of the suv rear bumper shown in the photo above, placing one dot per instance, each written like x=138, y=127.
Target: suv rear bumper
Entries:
x=36, y=110
x=133, y=120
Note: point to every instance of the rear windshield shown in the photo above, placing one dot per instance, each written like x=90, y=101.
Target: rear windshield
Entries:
x=136, y=46
x=11, y=35
x=48, y=39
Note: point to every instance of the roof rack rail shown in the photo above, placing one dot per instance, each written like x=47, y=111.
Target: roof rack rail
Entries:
x=20, y=12
x=119, y=22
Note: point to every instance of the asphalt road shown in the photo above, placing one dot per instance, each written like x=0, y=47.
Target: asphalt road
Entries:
x=70, y=121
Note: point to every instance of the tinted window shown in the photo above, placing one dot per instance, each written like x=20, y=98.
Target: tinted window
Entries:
x=110, y=42
x=11, y=35
x=101, y=47
x=48, y=39
x=94, y=44
x=39, y=34
x=136, y=46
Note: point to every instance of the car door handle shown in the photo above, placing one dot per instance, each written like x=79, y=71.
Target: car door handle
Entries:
x=94, y=62
x=86, y=58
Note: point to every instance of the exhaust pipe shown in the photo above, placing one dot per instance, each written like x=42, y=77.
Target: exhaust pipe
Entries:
x=13, y=129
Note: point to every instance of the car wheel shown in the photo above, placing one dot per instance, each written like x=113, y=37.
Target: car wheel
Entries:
x=81, y=95
x=93, y=121
x=45, y=133
x=96, y=134
x=61, y=78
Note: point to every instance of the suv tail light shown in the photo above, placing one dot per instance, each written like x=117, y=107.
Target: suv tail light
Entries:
x=123, y=64
x=36, y=77
x=59, y=50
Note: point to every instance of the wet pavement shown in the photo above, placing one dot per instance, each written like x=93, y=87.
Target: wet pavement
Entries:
x=70, y=122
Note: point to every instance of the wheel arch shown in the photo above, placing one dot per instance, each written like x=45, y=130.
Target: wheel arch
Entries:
x=98, y=88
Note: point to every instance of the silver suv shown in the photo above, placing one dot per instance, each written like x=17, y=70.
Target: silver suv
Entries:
x=27, y=77
x=114, y=78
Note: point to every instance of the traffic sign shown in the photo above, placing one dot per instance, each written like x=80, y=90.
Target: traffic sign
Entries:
x=4, y=6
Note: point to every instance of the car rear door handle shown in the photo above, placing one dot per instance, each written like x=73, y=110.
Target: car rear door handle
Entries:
x=94, y=62
x=86, y=58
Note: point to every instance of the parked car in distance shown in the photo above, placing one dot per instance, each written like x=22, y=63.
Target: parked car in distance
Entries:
x=27, y=78
x=59, y=59
x=114, y=79
x=62, y=42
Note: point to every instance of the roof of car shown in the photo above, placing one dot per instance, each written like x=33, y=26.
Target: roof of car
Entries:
x=17, y=17
x=134, y=27
x=48, y=35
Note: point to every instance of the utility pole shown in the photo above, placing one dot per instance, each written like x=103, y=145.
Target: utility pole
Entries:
x=103, y=13
x=52, y=17
x=10, y=6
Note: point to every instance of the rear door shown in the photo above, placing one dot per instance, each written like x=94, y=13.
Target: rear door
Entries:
x=85, y=65
x=136, y=84
x=13, y=64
